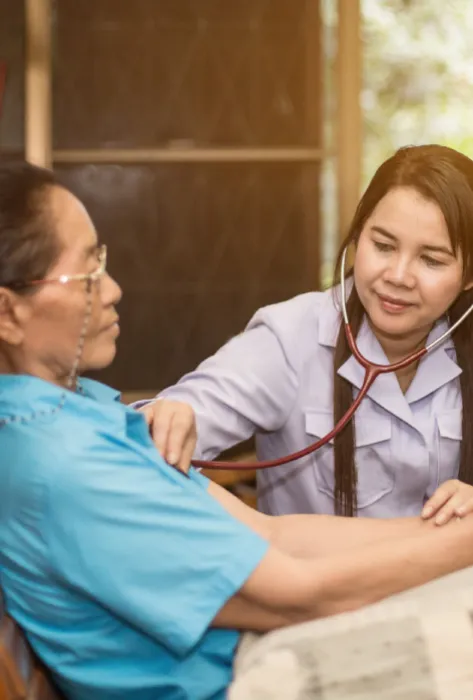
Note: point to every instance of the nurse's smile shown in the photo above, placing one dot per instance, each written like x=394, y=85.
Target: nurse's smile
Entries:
x=392, y=305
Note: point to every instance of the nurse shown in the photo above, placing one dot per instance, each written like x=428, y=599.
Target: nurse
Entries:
x=290, y=374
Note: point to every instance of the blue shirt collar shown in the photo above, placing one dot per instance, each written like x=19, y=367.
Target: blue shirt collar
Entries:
x=18, y=392
x=97, y=390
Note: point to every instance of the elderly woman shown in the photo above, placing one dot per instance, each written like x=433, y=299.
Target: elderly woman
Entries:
x=131, y=579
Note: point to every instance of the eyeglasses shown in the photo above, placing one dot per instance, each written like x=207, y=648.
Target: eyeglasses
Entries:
x=89, y=277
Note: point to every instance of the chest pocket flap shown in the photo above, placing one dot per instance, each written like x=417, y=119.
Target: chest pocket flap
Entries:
x=373, y=455
x=450, y=424
x=368, y=431
x=449, y=443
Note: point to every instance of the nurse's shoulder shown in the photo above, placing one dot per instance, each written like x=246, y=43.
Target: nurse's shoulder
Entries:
x=302, y=324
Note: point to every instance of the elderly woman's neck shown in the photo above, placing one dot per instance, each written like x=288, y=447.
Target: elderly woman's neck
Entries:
x=8, y=364
x=14, y=363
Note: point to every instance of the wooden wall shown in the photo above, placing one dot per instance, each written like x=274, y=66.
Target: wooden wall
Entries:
x=197, y=247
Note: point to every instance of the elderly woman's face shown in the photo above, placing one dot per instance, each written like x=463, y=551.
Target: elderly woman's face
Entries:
x=55, y=319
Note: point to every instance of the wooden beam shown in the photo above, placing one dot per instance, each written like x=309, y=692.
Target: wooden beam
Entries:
x=188, y=155
x=314, y=138
x=350, y=124
x=3, y=80
x=38, y=93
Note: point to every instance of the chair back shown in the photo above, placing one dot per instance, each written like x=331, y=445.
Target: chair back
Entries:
x=22, y=677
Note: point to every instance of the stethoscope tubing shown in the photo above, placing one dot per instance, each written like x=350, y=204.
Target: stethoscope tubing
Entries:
x=372, y=371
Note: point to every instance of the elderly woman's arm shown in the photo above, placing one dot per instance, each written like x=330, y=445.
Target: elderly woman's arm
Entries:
x=284, y=590
x=156, y=548
x=308, y=536
x=322, y=565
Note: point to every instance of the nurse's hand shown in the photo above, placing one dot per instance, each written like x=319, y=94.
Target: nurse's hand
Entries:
x=172, y=427
x=453, y=499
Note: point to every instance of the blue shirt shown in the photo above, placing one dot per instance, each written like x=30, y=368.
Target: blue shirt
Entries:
x=114, y=563
x=275, y=380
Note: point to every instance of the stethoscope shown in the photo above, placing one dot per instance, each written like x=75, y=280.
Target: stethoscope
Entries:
x=372, y=371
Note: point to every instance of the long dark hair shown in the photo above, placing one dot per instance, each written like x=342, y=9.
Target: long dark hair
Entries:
x=444, y=176
x=28, y=244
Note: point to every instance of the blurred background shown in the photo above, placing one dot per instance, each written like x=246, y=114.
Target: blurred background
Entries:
x=221, y=146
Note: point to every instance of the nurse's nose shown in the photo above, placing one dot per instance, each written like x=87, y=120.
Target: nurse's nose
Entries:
x=399, y=273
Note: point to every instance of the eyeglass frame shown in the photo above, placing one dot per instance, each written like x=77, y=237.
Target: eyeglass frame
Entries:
x=89, y=277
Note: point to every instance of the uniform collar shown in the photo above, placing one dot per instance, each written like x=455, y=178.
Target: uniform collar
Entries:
x=330, y=317
x=435, y=370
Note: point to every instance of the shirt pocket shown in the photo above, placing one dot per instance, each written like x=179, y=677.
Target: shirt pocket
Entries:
x=373, y=456
x=449, y=443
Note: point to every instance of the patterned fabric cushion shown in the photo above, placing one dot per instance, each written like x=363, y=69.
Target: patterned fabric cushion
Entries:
x=414, y=646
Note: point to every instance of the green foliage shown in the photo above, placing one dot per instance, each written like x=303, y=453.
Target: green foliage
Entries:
x=418, y=76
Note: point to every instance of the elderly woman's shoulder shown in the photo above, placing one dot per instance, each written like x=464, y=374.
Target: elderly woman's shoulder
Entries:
x=41, y=418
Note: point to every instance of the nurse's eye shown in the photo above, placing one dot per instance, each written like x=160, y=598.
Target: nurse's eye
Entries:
x=432, y=262
x=383, y=247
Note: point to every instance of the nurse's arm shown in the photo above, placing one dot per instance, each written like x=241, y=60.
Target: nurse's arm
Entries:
x=306, y=536
x=248, y=385
x=285, y=590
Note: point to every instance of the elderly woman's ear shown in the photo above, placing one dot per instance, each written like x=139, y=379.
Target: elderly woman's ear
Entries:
x=12, y=312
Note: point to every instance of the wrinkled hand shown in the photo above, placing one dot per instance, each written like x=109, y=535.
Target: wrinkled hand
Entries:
x=173, y=429
x=453, y=499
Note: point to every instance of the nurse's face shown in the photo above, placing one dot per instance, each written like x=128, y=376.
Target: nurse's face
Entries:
x=54, y=314
x=406, y=273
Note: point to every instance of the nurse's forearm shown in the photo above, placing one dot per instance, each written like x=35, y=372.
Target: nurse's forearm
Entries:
x=308, y=536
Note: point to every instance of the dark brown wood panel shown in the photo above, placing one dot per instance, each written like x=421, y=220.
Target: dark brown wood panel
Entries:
x=12, y=50
x=197, y=249
x=144, y=73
